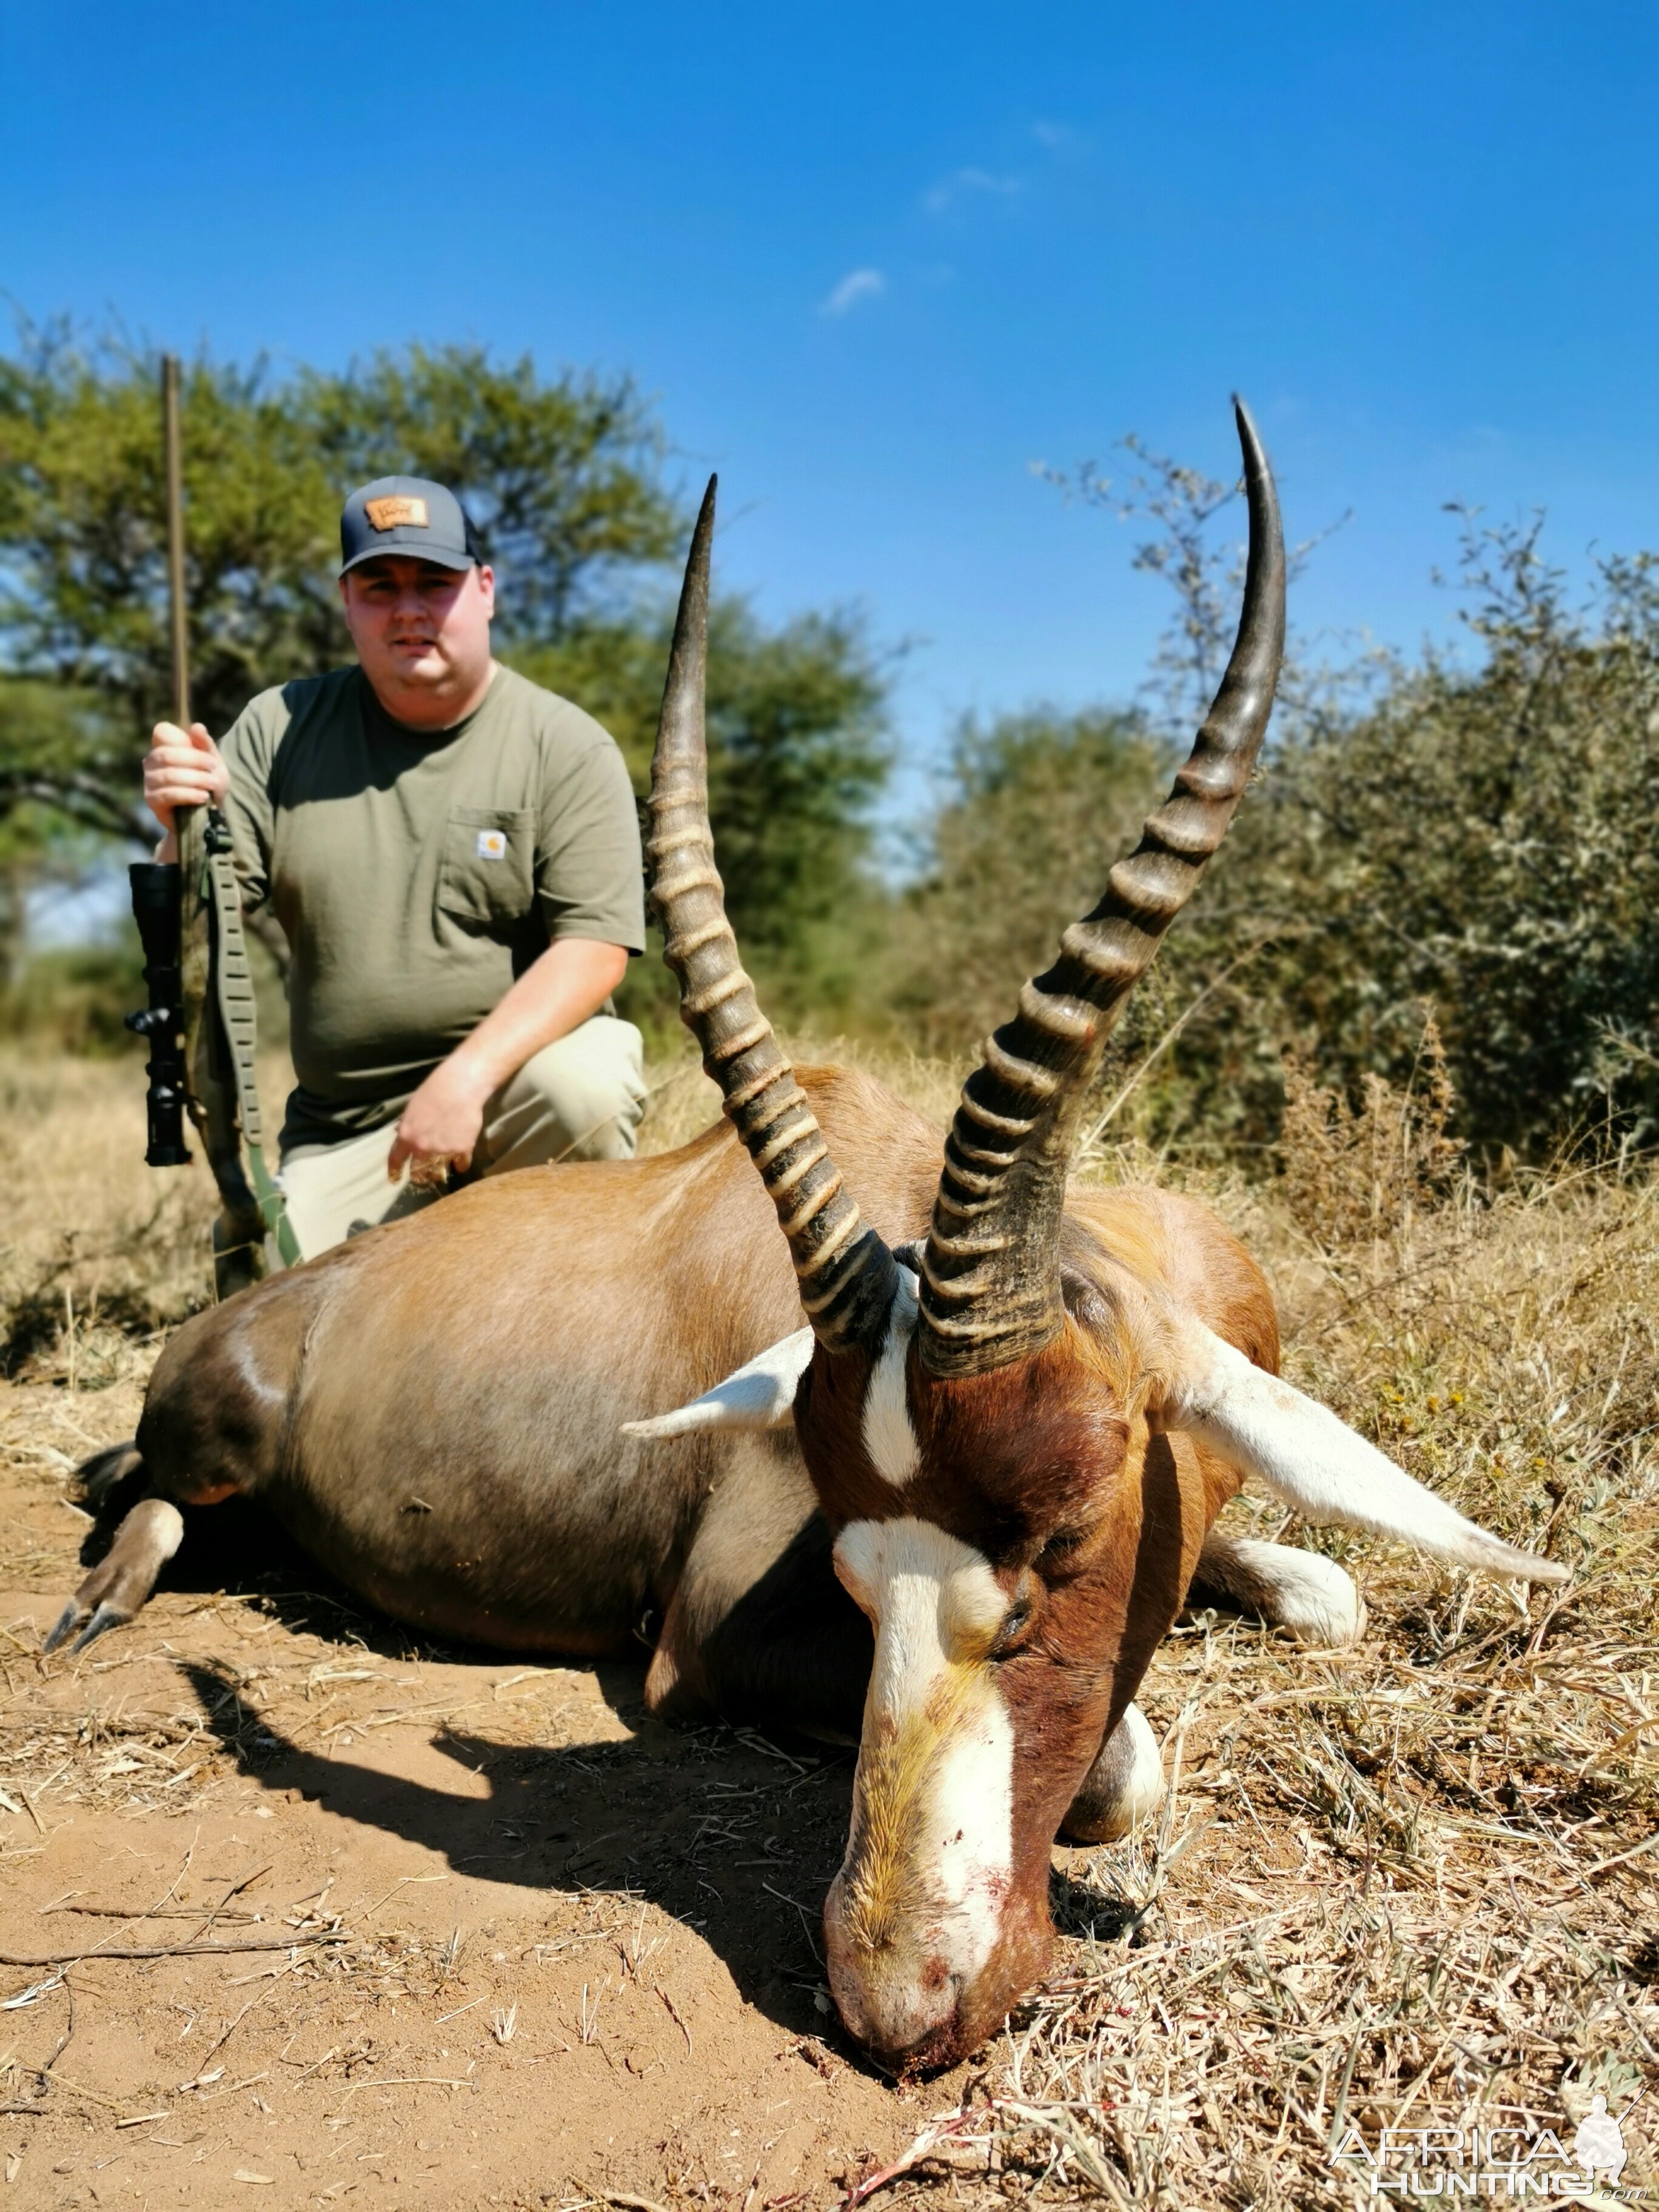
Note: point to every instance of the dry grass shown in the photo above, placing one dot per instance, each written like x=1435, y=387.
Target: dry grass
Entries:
x=96, y=1250
x=1417, y=1885
x=98, y=1253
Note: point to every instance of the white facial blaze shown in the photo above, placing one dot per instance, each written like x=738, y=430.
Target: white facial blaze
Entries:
x=888, y=1438
x=915, y=1910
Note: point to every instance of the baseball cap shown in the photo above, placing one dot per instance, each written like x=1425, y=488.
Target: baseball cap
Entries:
x=410, y=516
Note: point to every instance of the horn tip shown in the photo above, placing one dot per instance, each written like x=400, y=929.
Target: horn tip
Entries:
x=1248, y=436
x=703, y=530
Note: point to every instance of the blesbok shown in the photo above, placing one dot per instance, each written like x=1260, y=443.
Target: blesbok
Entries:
x=998, y=1443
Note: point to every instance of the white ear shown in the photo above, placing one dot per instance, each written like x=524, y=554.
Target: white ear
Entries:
x=760, y=1395
x=1319, y=1465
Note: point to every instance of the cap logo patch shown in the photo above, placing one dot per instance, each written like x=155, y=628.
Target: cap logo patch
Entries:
x=492, y=844
x=399, y=510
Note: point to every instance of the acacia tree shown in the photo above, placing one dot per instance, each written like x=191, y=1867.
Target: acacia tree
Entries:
x=568, y=470
x=797, y=756
x=566, y=477
x=562, y=476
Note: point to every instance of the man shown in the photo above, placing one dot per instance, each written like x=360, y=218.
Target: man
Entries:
x=454, y=857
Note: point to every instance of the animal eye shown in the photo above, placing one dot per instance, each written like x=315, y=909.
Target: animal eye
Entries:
x=1016, y=1621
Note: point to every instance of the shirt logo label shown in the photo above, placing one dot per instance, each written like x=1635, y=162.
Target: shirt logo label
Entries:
x=399, y=510
x=492, y=844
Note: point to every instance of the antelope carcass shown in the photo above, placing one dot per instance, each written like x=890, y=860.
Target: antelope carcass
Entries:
x=974, y=1430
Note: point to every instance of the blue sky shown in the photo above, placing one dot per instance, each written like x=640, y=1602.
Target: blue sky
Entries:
x=875, y=262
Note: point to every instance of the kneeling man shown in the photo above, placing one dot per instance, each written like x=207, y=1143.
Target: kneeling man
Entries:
x=453, y=854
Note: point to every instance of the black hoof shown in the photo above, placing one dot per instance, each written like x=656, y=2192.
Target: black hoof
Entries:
x=107, y=1616
x=61, y=1628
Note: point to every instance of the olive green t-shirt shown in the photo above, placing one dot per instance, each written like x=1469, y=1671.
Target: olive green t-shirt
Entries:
x=416, y=874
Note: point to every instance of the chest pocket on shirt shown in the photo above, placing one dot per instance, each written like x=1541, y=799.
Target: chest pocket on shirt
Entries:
x=486, y=875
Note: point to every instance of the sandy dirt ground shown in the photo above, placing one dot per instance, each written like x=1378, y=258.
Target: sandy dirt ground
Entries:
x=296, y=1907
x=516, y=1943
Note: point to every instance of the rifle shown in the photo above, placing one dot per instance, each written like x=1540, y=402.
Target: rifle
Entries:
x=200, y=1019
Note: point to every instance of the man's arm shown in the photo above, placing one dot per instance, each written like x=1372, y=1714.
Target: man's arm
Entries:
x=571, y=980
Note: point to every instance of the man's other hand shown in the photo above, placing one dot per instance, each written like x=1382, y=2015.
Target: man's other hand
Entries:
x=564, y=987
x=439, y=1126
x=183, y=768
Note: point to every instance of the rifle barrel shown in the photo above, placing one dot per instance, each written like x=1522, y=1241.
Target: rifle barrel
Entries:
x=173, y=450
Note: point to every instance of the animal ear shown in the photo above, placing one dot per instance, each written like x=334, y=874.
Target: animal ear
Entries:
x=760, y=1395
x=1319, y=1465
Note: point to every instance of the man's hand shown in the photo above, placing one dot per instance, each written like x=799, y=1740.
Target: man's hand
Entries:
x=441, y=1123
x=183, y=768
x=439, y=1126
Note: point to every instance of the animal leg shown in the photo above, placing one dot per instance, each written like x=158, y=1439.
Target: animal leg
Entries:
x=759, y=1630
x=1302, y=1591
x=119, y=1585
x=1124, y=1785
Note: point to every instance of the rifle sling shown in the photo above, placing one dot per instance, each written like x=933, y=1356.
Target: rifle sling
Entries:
x=234, y=986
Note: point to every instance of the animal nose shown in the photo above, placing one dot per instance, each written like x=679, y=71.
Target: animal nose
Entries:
x=941, y=2045
x=900, y=2000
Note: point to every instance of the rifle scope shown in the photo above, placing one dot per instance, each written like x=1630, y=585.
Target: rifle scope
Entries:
x=155, y=909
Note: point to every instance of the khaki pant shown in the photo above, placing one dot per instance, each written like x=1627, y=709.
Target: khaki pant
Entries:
x=580, y=1098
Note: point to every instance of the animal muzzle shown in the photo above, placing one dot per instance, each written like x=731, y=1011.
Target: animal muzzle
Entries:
x=903, y=2002
x=915, y=1923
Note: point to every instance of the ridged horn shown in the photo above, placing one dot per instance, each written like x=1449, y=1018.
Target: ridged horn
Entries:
x=848, y=1276
x=990, y=1278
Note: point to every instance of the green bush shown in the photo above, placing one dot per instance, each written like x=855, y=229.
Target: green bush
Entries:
x=1480, y=840
x=1472, y=837
x=75, y=999
x=1037, y=807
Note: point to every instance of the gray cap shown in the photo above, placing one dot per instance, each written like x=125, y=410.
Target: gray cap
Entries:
x=409, y=516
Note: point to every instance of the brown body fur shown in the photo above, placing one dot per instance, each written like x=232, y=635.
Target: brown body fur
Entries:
x=434, y=1409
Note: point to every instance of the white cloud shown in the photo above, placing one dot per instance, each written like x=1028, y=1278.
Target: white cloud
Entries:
x=857, y=284
x=969, y=184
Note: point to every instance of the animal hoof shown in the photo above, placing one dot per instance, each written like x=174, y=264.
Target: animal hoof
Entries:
x=63, y=1626
x=107, y=1616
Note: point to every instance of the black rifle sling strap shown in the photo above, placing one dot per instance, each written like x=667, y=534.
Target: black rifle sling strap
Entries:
x=238, y=1255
